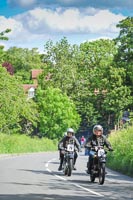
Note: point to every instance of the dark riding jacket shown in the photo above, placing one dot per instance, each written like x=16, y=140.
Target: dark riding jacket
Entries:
x=97, y=141
x=69, y=140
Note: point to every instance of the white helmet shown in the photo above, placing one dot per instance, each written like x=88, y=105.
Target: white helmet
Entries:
x=70, y=130
x=98, y=127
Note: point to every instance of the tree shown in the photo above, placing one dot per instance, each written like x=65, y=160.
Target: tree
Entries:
x=78, y=72
x=2, y=34
x=90, y=77
x=8, y=67
x=124, y=42
x=23, y=60
x=15, y=111
x=57, y=113
x=61, y=59
x=3, y=37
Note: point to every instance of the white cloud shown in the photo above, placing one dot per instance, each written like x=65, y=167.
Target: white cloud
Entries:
x=41, y=24
x=41, y=21
x=10, y=23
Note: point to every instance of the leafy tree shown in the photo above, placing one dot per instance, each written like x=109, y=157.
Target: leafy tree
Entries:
x=2, y=34
x=8, y=67
x=23, y=60
x=61, y=59
x=124, y=42
x=57, y=113
x=118, y=95
x=89, y=76
x=2, y=53
x=112, y=94
x=94, y=60
x=78, y=72
x=15, y=111
x=3, y=37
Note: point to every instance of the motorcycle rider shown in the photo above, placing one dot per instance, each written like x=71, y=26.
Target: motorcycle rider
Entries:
x=97, y=139
x=63, y=144
x=60, y=150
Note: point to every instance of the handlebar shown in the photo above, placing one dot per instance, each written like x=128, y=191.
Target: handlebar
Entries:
x=98, y=147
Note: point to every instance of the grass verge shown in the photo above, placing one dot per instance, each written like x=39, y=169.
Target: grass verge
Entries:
x=25, y=144
x=121, y=159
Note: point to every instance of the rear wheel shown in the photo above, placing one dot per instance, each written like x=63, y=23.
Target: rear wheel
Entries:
x=102, y=174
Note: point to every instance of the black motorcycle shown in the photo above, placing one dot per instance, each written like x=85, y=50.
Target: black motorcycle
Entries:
x=98, y=165
x=68, y=160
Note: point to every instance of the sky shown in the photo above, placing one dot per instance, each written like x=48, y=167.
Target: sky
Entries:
x=34, y=22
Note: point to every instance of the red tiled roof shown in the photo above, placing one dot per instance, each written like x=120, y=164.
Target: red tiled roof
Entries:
x=36, y=72
x=28, y=86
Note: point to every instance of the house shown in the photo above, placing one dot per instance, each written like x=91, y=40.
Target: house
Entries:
x=30, y=88
x=34, y=74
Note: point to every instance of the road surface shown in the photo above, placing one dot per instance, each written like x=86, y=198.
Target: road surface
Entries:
x=35, y=177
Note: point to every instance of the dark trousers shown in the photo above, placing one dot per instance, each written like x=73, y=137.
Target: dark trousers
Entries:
x=61, y=155
x=90, y=160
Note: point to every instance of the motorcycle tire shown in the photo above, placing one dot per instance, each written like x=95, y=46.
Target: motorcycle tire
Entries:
x=65, y=168
x=102, y=174
x=70, y=167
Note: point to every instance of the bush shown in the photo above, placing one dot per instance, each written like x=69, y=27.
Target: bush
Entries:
x=122, y=157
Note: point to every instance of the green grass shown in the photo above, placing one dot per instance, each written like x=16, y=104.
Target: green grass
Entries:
x=122, y=158
x=25, y=144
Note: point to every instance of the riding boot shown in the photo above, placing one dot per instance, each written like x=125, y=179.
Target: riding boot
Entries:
x=74, y=161
x=89, y=165
x=88, y=168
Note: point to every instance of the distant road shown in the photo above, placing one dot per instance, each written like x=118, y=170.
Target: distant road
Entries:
x=35, y=177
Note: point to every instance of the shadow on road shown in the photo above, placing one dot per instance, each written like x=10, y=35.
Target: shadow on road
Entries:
x=35, y=171
x=45, y=197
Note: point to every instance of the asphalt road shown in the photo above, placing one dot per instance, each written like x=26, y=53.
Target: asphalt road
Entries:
x=35, y=177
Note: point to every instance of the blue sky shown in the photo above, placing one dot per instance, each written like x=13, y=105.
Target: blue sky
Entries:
x=33, y=22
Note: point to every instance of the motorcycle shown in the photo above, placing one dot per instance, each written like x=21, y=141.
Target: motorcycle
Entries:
x=68, y=160
x=98, y=165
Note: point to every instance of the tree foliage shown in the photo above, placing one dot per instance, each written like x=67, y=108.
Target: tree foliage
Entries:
x=124, y=57
x=23, y=60
x=56, y=113
x=2, y=34
x=95, y=78
x=3, y=37
x=89, y=76
x=8, y=67
x=15, y=111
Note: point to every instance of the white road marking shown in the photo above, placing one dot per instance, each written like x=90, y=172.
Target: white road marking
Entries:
x=77, y=185
x=88, y=190
x=64, y=179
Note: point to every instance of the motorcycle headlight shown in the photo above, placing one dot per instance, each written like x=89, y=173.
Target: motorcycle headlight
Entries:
x=101, y=152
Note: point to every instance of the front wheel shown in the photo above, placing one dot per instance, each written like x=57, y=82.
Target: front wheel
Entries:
x=102, y=174
x=65, y=167
x=70, y=167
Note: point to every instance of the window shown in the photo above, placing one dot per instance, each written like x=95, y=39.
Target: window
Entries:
x=31, y=92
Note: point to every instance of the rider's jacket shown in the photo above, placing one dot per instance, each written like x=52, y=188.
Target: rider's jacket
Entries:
x=97, y=141
x=69, y=140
